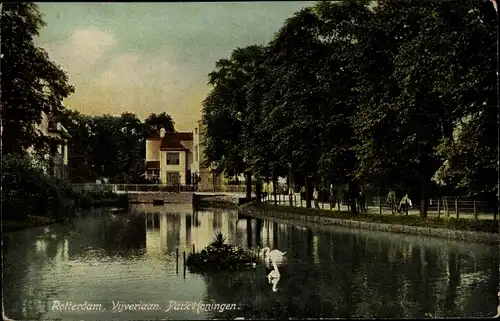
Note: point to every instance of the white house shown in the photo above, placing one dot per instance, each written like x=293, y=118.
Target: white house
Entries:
x=58, y=155
x=168, y=158
x=174, y=158
x=207, y=179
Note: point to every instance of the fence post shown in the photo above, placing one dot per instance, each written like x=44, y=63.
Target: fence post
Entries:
x=456, y=206
x=475, y=212
x=295, y=199
x=447, y=207
x=439, y=209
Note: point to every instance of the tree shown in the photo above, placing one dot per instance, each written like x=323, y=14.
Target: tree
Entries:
x=105, y=146
x=31, y=83
x=225, y=111
x=408, y=88
x=162, y=120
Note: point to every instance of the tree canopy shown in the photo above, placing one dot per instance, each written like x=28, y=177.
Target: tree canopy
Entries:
x=31, y=82
x=353, y=92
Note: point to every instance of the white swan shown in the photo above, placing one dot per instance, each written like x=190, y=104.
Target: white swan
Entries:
x=274, y=255
x=498, y=308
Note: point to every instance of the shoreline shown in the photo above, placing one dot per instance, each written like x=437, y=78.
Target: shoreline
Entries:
x=33, y=221
x=311, y=217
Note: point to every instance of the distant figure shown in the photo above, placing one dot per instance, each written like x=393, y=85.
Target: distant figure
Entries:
x=391, y=200
x=290, y=195
x=405, y=204
x=316, y=197
x=362, y=202
x=332, y=197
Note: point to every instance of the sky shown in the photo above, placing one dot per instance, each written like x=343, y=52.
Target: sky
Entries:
x=151, y=57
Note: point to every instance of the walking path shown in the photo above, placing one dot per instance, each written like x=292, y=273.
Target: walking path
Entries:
x=375, y=209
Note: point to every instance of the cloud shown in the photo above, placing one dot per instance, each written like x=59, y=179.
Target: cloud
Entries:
x=81, y=51
x=142, y=85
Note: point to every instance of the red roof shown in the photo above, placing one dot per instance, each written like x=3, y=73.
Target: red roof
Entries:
x=172, y=141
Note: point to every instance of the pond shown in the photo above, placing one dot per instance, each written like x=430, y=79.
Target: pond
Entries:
x=103, y=266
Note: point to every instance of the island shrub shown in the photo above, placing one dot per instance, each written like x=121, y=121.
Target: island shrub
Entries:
x=219, y=255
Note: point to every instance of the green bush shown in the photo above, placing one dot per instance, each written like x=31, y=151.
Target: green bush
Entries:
x=27, y=190
x=220, y=256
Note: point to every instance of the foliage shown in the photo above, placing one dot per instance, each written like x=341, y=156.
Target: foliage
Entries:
x=21, y=181
x=109, y=146
x=350, y=92
x=158, y=121
x=31, y=83
x=220, y=256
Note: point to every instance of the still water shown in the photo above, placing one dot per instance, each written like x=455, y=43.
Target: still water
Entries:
x=106, y=260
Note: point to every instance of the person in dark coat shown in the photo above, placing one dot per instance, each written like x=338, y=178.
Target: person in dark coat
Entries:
x=362, y=202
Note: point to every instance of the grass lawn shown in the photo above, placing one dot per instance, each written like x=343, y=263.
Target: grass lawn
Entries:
x=464, y=224
x=29, y=222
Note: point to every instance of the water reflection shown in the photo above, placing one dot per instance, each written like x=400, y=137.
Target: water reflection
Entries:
x=328, y=272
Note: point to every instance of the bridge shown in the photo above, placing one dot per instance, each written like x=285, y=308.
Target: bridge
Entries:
x=149, y=193
x=155, y=188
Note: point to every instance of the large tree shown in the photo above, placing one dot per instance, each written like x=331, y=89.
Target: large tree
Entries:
x=414, y=85
x=226, y=112
x=31, y=83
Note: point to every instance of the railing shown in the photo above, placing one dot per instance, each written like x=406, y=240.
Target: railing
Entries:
x=444, y=207
x=142, y=188
x=236, y=189
x=135, y=188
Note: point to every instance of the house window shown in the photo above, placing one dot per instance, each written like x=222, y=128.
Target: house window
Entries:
x=173, y=178
x=172, y=158
x=195, y=153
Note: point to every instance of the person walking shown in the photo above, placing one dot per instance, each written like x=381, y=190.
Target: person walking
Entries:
x=391, y=200
x=316, y=197
x=362, y=202
x=332, y=197
x=405, y=204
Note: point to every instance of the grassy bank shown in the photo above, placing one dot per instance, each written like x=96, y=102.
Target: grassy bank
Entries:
x=488, y=226
x=29, y=222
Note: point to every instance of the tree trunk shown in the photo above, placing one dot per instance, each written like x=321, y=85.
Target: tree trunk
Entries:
x=495, y=204
x=353, y=195
x=248, y=181
x=258, y=190
x=308, y=189
x=424, y=195
x=275, y=183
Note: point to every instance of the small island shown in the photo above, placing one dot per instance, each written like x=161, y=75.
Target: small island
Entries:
x=220, y=256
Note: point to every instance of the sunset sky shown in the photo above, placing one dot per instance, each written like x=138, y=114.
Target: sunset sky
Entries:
x=151, y=57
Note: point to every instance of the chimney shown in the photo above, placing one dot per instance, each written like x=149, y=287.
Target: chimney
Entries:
x=162, y=132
